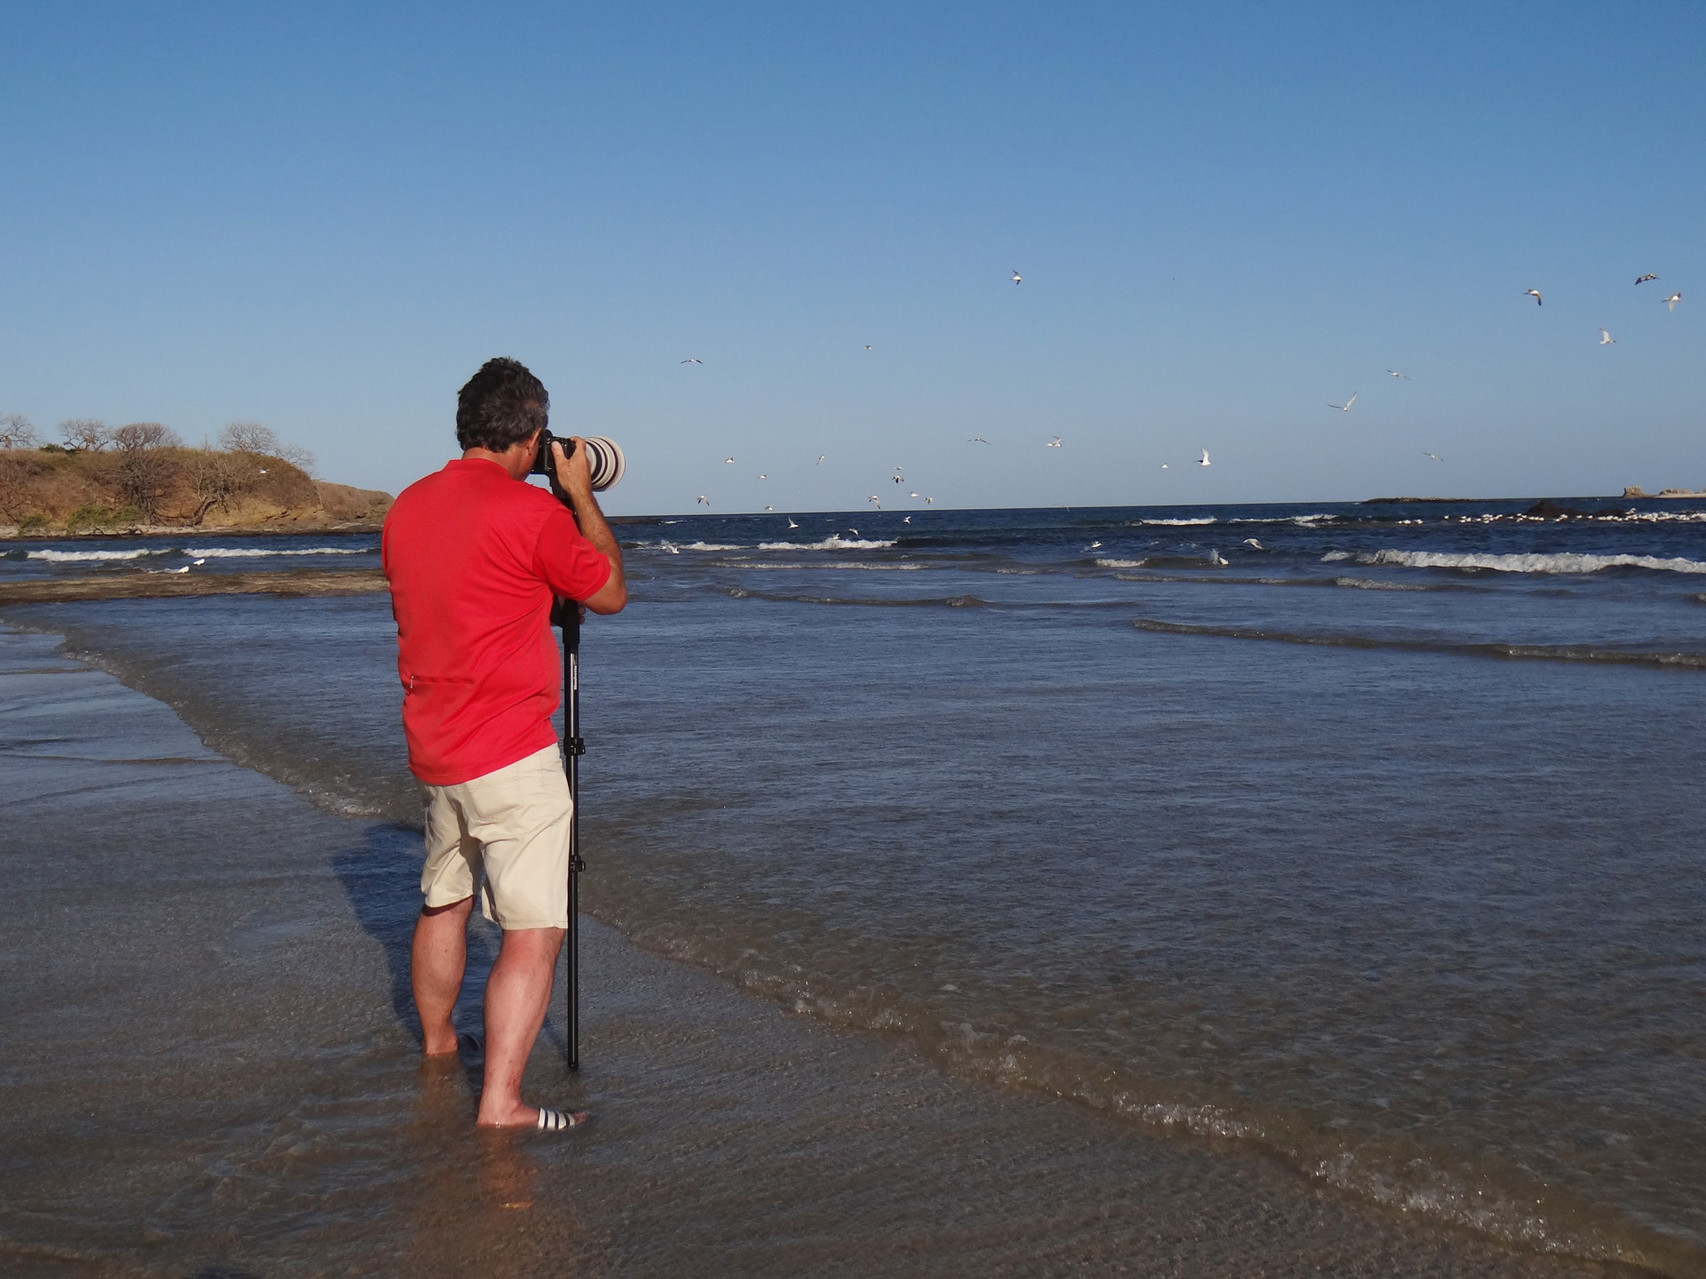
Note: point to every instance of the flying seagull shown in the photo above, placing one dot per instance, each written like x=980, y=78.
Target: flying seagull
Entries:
x=692, y=360
x=912, y=495
x=728, y=461
x=1672, y=300
x=898, y=479
x=1017, y=278
x=1435, y=456
x=906, y=519
x=1250, y=541
x=791, y=524
x=929, y=501
x=1346, y=406
x=1396, y=373
x=1532, y=293
x=1054, y=443
x=1642, y=279
x=1605, y=339
x=820, y=458
x=867, y=346
x=763, y=476
x=877, y=500
x=770, y=508
x=704, y=499
x=1163, y=466
x=977, y=439
x=1205, y=461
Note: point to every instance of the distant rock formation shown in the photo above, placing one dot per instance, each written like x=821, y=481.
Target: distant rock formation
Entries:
x=1635, y=490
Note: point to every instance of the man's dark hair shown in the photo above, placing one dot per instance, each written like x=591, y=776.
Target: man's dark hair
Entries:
x=501, y=405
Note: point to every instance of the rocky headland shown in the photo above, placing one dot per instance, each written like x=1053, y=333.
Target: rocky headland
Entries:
x=55, y=492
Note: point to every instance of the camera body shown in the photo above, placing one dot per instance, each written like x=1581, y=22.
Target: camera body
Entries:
x=604, y=458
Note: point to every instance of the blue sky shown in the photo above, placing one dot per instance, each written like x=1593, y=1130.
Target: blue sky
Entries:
x=1227, y=216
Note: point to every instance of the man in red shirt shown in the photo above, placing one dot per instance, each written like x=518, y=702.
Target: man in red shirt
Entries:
x=475, y=556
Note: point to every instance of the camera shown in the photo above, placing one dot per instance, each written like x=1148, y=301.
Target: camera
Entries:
x=604, y=458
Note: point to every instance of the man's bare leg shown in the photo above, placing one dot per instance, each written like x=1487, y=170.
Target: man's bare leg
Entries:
x=436, y=963
x=517, y=995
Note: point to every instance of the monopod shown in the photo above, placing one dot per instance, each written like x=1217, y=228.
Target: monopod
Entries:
x=566, y=614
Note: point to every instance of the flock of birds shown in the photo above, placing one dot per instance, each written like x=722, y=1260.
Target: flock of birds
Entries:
x=1605, y=339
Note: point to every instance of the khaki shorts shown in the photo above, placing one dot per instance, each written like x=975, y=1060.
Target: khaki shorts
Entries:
x=512, y=825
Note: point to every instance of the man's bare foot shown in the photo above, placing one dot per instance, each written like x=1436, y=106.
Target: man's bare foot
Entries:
x=436, y=1045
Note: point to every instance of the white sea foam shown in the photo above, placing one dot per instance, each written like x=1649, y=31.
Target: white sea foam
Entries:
x=75, y=557
x=1206, y=519
x=830, y=543
x=244, y=552
x=1525, y=563
x=1119, y=563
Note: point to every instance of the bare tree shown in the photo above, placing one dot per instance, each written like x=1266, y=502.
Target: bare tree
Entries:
x=249, y=437
x=85, y=433
x=16, y=432
x=144, y=435
x=298, y=457
x=144, y=472
x=217, y=479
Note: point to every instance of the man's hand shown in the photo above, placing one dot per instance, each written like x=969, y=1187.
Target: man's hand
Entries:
x=571, y=472
x=572, y=478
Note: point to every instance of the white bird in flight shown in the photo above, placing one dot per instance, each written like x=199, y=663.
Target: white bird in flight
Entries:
x=1435, y=456
x=1093, y=546
x=877, y=500
x=820, y=458
x=1396, y=373
x=1250, y=541
x=906, y=519
x=763, y=476
x=929, y=500
x=693, y=359
x=704, y=499
x=728, y=461
x=912, y=495
x=1533, y=293
x=770, y=508
x=854, y=531
x=1163, y=466
x=1054, y=443
x=867, y=346
x=1346, y=406
x=977, y=439
x=1605, y=339
x=1205, y=461
x=1017, y=278
x=1642, y=279
x=791, y=524
x=1672, y=300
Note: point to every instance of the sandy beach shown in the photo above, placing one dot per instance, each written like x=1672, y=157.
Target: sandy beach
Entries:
x=211, y=1070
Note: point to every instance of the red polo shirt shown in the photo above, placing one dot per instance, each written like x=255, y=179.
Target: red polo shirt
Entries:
x=474, y=559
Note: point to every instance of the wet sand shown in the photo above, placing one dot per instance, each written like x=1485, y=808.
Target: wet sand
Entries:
x=211, y=1070
x=136, y=586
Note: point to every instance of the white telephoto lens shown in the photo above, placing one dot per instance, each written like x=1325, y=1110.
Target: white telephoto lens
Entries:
x=605, y=461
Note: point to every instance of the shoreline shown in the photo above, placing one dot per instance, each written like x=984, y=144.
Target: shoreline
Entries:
x=277, y=1116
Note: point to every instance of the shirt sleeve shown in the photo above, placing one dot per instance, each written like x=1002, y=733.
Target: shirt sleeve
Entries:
x=571, y=566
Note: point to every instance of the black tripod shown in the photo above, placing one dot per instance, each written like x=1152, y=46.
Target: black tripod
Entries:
x=566, y=615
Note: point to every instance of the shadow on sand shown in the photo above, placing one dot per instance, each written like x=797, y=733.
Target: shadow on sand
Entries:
x=381, y=877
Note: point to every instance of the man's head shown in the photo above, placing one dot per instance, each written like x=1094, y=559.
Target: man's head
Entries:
x=500, y=406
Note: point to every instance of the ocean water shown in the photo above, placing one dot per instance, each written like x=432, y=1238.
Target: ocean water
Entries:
x=1367, y=835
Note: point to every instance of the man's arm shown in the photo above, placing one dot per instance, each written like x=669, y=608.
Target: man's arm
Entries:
x=575, y=480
